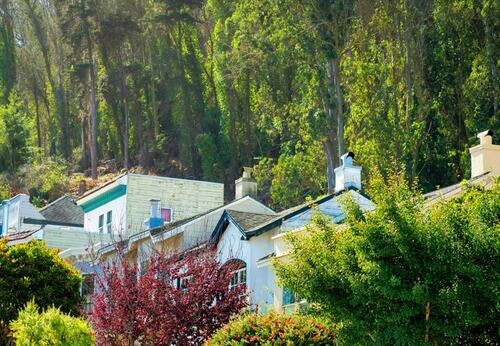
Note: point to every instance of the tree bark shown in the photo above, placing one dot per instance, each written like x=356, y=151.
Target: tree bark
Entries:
x=124, y=97
x=37, y=114
x=93, y=106
x=9, y=48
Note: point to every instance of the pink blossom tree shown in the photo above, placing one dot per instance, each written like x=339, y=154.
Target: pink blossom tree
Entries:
x=180, y=300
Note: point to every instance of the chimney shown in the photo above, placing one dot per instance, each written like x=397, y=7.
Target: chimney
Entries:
x=246, y=185
x=485, y=157
x=5, y=218
x=155, y=218
x=347, y=175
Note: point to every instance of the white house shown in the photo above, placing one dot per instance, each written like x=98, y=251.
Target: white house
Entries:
x=255, y=239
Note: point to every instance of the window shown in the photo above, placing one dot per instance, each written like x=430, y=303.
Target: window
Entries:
x=183, y=283
x=109, y=219
x=166, y=215
x=88, y=284
x=290, y=297
x=239, y=271
x=87, y=290
x=101, y=223
x=143, y=267
x=239, y=278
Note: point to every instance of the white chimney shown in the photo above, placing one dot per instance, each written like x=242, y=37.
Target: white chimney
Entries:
x=155, y=204
x=246, y=185
x=347, y=175
x=485, y=157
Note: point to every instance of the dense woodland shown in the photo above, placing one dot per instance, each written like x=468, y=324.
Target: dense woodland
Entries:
x=198, y=89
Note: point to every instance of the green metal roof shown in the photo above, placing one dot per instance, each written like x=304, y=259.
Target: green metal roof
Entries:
x=104, y=198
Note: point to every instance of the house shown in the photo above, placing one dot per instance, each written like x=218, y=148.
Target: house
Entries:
x=59, y=224
x=254, y=240
x=485, y=170
x=122, y=207
x=249, y=233
x=181, y=235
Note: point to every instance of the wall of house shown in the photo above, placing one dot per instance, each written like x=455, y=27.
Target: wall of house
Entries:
x=20, y=208
x=63, y=237
x=118, y=208
x=187, y=198
x=199, y=230
x=260, y=280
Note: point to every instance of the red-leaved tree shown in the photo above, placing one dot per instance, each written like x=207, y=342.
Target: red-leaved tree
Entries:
x=177, y=300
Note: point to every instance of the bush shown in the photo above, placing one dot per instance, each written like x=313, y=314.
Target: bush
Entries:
x=50, y=327
x=275, y=329
x=46, y=178
x=32, y=271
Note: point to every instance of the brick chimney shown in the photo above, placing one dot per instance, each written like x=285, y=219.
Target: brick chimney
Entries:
x=485, y=157
x=246, y=185
x=347, y=175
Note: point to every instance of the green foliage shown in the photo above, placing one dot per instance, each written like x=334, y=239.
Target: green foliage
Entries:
x=50, y=327
x=15, y=136
x=4, y=190
x=404, y=273
x=46, y=178
x=32, y=271
x=294, y=177
x=275, y=329
x=199, y=89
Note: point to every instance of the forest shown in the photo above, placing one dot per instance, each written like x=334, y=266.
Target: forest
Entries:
x=200, y=88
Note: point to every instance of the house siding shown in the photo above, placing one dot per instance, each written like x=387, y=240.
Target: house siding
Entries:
x=64, y=238
x=186, y=198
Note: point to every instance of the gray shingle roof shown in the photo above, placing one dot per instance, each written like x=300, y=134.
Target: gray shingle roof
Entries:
x=249, y=221
x=485, y=180
x=63, y=210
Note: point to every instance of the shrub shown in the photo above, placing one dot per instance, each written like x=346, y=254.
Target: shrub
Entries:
x=50, y=327
x=32, y=271
x=275, y=329
x=46, y=178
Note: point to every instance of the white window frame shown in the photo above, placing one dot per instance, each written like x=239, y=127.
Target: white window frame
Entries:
x=100, y=226
x=109, y=221
x=171, y=215
x=238, y=274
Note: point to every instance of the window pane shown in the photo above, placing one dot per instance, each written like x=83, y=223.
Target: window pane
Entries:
x=290, y=297
x=101, y=220
x=109, y=217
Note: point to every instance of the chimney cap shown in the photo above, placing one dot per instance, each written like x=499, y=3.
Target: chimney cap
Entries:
x=348, y=154
x=485, y=133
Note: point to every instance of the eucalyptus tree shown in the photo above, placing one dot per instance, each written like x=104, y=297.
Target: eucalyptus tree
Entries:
x=77, y=23
x=7, y=50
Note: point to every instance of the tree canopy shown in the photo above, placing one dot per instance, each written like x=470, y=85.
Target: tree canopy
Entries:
x=200, y=88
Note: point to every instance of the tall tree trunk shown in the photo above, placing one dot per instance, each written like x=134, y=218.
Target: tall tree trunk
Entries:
x=37, y=114
x=93, y=106
x=248, y=123
x=9, y=47
x=57, y=88
x=409, y=86
x=327, y=145
x=124, y=97
x=330, y=165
